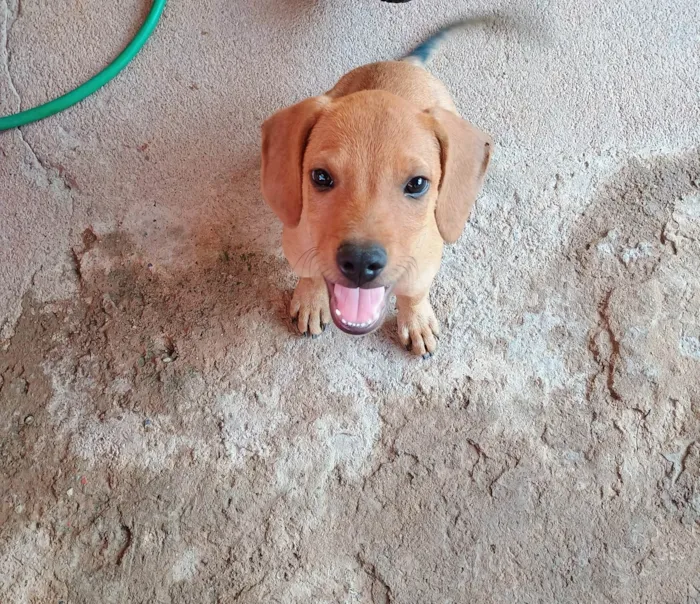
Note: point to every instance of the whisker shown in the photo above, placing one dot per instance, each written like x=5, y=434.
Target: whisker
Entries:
x=304, y=257
x=407, y=268
x=311, y=259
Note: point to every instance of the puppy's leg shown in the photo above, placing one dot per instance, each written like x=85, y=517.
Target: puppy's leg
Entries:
x=310, y=306
x=418, y=327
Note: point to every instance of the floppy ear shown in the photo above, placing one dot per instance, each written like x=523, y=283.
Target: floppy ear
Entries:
x=465, y=152
x=284, y=138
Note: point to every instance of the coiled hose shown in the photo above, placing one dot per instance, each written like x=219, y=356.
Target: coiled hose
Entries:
x=92, y=85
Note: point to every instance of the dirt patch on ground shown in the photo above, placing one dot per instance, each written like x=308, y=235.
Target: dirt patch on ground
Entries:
x=166, y=438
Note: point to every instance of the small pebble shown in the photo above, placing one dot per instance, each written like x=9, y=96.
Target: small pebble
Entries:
x=19, y=508
x=148, y=424
x=29, y=420
x=167, y=359
x=21, y=385
x=69, y=492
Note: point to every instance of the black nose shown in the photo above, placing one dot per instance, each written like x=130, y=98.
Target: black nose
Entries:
x=361, y=263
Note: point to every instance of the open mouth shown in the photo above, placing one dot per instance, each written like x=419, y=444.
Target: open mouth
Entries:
x=356, y=310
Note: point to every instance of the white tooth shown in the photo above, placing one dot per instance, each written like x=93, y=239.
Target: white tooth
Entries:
x=344, y=322
x=337, y=311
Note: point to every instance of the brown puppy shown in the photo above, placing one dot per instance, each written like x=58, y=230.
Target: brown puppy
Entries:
x=369, y=180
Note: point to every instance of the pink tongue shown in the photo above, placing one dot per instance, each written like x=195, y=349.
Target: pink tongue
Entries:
x=358, y=305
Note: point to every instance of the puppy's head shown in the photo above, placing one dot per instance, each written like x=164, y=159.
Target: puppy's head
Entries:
x=377, y=179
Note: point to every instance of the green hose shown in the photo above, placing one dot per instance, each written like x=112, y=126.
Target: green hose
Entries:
x=82, y=92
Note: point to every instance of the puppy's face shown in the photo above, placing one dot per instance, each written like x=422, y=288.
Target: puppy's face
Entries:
x=370, y=180
x=381, y=184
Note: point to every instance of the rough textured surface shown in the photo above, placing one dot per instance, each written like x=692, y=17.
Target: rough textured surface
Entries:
x=164, y=437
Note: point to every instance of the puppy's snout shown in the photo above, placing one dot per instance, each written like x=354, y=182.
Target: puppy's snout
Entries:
x=361, y=263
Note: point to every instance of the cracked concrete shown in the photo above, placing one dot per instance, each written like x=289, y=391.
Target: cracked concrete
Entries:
x=164, y=436
x=9, y=19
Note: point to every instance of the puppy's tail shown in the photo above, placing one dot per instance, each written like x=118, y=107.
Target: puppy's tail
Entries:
x=422, y=53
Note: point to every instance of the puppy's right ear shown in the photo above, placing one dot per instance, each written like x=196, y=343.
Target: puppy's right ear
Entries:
x=284, y=138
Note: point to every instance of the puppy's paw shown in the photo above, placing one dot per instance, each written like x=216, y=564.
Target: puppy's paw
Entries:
x=310, y=307
x=419, y=330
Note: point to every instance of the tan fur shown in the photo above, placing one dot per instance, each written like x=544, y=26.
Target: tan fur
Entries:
x=379, y=126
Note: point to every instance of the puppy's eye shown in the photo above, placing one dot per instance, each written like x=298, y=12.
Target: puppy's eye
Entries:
x=322, y=179
x=416, y=187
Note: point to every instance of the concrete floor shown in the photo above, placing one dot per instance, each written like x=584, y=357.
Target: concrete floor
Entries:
x=165, y=437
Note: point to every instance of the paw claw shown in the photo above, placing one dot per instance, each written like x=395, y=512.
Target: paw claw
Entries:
x=310, y=303
x=418, y=328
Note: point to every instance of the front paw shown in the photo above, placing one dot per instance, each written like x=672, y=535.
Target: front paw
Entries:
x=419, y=330
x=310, y=307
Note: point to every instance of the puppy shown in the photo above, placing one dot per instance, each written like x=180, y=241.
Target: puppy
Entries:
x=370, y=180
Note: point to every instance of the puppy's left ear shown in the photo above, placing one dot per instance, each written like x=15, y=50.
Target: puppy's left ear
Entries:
x=465, y=152
x=284, y=138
